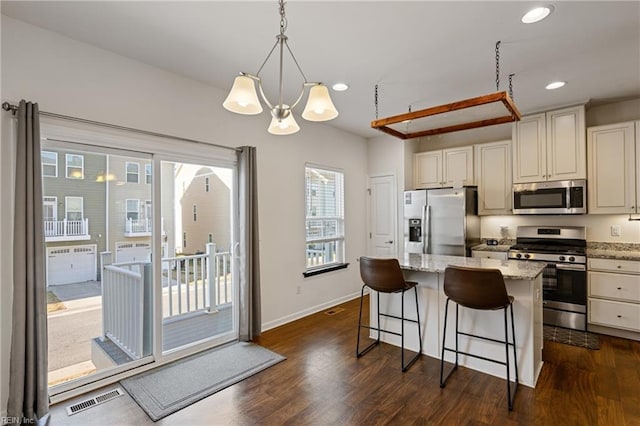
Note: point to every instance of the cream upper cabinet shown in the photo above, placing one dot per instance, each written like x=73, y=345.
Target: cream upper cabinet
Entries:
x=444, y=168
x=613, y=159
x=427, y=170
x=530, y=149
x=493, y=174
x=550, y=146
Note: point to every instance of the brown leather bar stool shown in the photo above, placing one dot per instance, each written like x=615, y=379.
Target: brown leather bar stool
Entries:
x=385, y=276
x=483, y=289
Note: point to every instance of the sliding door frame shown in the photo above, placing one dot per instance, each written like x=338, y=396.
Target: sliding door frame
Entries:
x=121, y=142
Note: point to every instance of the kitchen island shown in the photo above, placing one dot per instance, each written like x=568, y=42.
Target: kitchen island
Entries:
x=523, y=281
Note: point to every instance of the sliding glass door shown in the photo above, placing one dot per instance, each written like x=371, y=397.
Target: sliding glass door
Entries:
x=139, y=250
x=197, y=270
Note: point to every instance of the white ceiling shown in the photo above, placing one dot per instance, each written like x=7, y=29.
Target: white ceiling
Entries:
x=420, y=53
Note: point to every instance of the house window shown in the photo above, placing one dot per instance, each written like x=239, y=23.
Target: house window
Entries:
x=133, y=209
x=147, y=173
x=49, y=163
x=195, y=213
x=324, y=217
x=184, y=239
x=50, y=208
x=75, y=166
x=133, y=172
x=74, y=208
x=210, y=239
x=206, y=184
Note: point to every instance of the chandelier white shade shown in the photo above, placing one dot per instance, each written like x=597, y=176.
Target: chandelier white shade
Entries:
x=319, y=105
x=284, y=126
x=243, y=97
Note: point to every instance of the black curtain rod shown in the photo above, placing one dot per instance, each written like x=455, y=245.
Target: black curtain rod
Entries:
x=14, y=108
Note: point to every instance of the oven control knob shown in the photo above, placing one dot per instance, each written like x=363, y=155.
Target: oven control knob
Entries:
x=526, y=256
x=561, y=258
x=518, y=255
x=572, y=259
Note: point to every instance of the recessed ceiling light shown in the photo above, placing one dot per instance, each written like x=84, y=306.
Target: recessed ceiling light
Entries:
x=340, y=87
x=537, y=14
x=555, y=85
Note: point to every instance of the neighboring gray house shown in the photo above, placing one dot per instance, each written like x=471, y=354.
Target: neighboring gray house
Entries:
x=74, y=214
x=95, y=202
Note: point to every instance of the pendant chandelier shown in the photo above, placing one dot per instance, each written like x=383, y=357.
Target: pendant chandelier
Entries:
x=243, y=99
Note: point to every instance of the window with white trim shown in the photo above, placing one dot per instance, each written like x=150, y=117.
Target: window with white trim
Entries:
x=49, y=163
x=75, y=166
x=133, y=209
x=133, y=172
x=324, y=196
x=147, y=173
x=74, y=209
x=50, y=208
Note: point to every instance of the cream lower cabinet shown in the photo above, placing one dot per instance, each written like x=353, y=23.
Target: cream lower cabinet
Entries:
x=550, y=146
x=444, y=168
x=614, y=168
x=493, y=177
x=614, y=296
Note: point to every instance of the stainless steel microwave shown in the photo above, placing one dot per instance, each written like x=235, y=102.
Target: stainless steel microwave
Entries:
x=561, y=197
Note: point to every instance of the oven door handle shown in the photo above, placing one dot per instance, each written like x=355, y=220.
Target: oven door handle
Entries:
x=565, y=267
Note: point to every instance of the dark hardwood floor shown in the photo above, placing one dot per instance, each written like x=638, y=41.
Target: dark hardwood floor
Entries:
x=322, y=383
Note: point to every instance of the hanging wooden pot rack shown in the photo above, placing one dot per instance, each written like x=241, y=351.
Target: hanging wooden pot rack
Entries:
x=481, y=111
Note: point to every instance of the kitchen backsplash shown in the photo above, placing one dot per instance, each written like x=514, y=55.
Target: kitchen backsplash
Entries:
x=599, y=227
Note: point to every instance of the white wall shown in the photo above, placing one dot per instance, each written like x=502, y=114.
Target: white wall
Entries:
x=72, y=78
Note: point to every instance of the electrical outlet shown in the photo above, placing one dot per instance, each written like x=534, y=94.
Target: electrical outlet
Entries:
x=298, y=290
x=615, y=230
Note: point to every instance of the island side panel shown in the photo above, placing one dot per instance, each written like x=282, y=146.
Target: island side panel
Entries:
x=431, y=297
x=528, y=327
x=428, y=304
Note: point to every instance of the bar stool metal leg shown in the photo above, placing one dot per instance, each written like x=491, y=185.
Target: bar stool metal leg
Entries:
x=443, y=379
x=360, y=326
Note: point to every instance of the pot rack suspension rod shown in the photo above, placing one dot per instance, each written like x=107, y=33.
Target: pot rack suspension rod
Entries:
x=14, y=109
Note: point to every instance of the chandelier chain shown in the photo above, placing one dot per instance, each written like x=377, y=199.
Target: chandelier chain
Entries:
x=511, y=86
x=376, y=100
x=283, y=18
x=498, y=66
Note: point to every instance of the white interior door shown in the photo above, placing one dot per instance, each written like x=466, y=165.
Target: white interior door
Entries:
x=383, y=213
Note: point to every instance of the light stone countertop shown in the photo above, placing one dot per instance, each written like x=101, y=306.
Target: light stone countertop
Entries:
x=613, y=254
x=485, y=247
x=511, y=269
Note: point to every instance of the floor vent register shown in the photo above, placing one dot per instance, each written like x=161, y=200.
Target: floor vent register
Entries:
x=96, y=400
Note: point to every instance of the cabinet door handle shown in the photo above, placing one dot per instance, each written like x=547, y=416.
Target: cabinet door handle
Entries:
x=619, y=288
x=619, y=266
x=619, y=316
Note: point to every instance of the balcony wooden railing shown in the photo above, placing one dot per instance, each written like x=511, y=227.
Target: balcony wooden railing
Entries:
x=66, y=229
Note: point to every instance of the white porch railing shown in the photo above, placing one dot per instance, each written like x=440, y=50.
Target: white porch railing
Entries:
x=138, y=226
x=123, y=305
x=189, y=284
x=315, y=257
x=66, y=228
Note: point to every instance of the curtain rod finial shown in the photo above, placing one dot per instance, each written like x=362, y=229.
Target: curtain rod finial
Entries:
x=8, y=107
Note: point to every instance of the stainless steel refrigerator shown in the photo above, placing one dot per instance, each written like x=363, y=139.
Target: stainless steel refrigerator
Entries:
x=441, y=221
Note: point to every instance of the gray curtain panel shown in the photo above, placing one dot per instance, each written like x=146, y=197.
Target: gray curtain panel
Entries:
x=28, y=394
x=250, y=318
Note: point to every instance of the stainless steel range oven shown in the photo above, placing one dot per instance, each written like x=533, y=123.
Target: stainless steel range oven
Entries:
x=564, y=280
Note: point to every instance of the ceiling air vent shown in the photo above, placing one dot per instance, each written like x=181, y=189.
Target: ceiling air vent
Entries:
x=96, y=400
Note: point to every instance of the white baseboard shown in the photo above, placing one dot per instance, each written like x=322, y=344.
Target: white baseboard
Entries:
x=306, y=312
